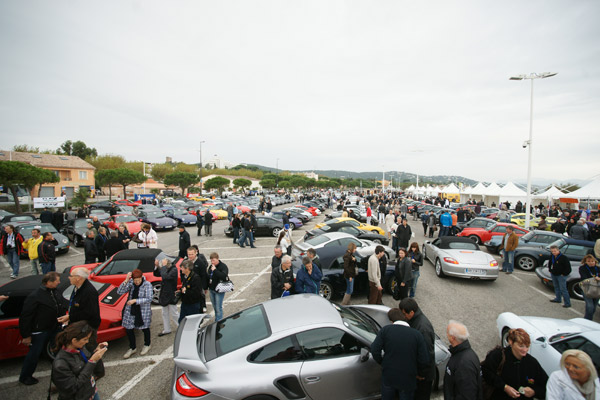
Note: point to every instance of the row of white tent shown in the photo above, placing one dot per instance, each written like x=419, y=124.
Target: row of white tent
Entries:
x=509, y=192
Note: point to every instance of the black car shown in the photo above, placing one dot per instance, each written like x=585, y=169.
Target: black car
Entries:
x=157, y=219
x=265, y=226
x=332, y=265
x=14, y=219
x=101, y=205
x=347, y=228
x=529, y=258
x=75, y=230
x=298, y=214
x=25, y=231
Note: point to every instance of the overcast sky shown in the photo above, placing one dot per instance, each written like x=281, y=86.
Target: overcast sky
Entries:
x=415, y=86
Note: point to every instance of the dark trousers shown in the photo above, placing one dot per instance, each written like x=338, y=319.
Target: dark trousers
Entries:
x=131, y=337
x=38, y=344
x=392, y=393
x=199, y=230
x=236, y=234
x=374, y=294
x=48, y=267
x=423, y=391
x=208, y=230
x=424, y=228
x=189, y=309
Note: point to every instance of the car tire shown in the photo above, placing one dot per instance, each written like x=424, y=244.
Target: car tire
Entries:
x=76, y=241
x=275, y=232
x=326, y=290
x=438, y=269
x=526, y=263
x=292, y=226
x=575, y=290
x=504, y=338
x=391, y=284
x=374, y=231
x=155, y=292
x=49, y=353
x=376, y=241
x=475, y=238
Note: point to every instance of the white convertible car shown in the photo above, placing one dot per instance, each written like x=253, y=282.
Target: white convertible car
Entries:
x=460, y=257
x=550, y=337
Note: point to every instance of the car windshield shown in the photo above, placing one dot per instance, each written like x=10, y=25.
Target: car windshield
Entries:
x=317, y=240
x=21, y=218
x=241, y=329
x=180, y=212
x=125, y=218
x=82, y=223
x=155, y=214
x=558, y=242
x=358, y=324
x=528, y=236
x=26, y=230
x=97, y=212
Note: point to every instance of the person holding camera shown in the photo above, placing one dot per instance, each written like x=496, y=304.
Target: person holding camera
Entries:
x=75, y=370
x=137, y=313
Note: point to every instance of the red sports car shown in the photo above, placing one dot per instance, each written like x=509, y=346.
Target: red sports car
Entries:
x=115, y=269
x=482, y=235
x=128, y=203
x=111, y=307
x=133, y=224
x=312, y=210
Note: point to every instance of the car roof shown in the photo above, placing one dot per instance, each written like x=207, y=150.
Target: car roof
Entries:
x=586, y=243
x=307, y=309
x=137, y=254
x=455, y=239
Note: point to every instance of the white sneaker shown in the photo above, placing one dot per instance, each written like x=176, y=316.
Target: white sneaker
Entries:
x=145, y=350
x=129, y=353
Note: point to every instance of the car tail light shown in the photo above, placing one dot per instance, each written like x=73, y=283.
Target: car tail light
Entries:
x=450, y=260
x=185, y=387
x=493, y=263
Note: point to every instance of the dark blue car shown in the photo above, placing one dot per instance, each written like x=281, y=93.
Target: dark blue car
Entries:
x=158, y=220
x=181, y=216
x=529, y=258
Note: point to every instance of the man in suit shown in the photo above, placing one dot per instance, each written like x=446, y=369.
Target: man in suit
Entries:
x=405, y=357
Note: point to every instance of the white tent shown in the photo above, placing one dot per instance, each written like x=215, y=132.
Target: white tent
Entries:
x=465, y=194
x=411, y=189
x=591, y=191
x=451, y=188
x=552, y=193
x=492, y=194
x=512, y=194
x=477, y=192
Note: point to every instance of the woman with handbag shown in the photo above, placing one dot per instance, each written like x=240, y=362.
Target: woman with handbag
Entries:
x=350, y=272
x=137, y=313
x=511, y=372
x=167, y=298
x=591, y=290
x=217, y=273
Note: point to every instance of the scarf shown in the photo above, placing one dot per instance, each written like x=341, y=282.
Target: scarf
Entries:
x=136, y=310
x=588, y=389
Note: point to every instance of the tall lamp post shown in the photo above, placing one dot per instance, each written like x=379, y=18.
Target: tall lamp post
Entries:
x=202, y=141
x=529, y=143
x=277, y=173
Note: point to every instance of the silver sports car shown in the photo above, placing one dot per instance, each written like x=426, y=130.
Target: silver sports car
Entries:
x=460, y=257
x=364, y=247
x=296, y=347
x=550, y=337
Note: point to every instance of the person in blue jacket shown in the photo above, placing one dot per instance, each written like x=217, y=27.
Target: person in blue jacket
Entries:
x=308, y=279
x=446, y=224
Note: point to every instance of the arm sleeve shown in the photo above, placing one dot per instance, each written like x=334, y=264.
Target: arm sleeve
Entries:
x=466, y=380
x=26, y=318
x=316, y=273
x=422, y=354
x=299, y=286
x=66, y=381
x=221, y=274
x=553, y=388
x=539, y=387
x=489, y=369
x=377, y=347
x=124, y=287
x=419, y=259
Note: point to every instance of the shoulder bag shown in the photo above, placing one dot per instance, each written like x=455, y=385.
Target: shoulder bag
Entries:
x=590, y=288
x=224, y=286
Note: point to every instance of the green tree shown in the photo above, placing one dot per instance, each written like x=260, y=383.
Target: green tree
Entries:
x=15, y=173
x=182, y=179
x=218, y=182
x=107, y=161
x=183, y=167
x=77, y=148
x=135, y=166
x=270, y=176
x=242, y=183
x=80, y=197
x=126, y=177
x=23, y=148
x=297, y=181
x=106, y=177
x=267, y=183
x=159, y=171
x=285, y=185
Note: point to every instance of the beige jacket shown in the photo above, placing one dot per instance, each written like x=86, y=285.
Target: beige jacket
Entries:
x=373, y=270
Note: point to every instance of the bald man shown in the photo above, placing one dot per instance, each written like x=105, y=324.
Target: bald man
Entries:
x=83, y=304
x=462, y=380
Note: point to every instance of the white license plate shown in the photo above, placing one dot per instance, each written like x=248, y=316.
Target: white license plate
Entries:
x=475, y=271
x=168, y=226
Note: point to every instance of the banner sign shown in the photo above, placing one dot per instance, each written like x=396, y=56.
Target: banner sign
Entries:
x=50, y=202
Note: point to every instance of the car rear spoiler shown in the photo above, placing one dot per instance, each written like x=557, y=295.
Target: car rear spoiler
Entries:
x=186, y=356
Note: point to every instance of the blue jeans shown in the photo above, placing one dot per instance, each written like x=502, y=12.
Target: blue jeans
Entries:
x=216, y=300
x=390, y=392
x=243, y=238
x=349, y=285
x=47, y=267
x=13, y=260
x=236, y=235
x=444, y=231
x=508, y=265
x=413, y=286
x=189, y=309
x=38, y=343
x=590, y=308
x=560, y=288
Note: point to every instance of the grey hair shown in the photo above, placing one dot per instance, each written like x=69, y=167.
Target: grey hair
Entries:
x=286, y=259
x=458, y=330
x=277, y=246
x=81, y=272
x=114, y=234
x=581, y=221
x=90, y=232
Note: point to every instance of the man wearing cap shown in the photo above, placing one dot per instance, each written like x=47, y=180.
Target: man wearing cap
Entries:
x=184, y=241
x=31, y=245
x=559, y=226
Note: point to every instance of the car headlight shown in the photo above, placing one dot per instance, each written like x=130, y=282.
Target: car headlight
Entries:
x=65, y=241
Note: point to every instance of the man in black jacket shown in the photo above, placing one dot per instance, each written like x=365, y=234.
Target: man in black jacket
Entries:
x=184, y=241
x=113, y=245
x=462, y=380
x=282, y=277
x=199, y=222
x=560, y=267
x=38, y=323
x=208, y=223
x=200, y=265
x=47, y=253
x=58, y=219
x=277, y=256
x=403, y=233
x=90, y=249
x=46, y=216
x=417, y=320
x=405, y=357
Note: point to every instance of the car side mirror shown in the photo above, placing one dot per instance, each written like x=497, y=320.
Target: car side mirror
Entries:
x=364, y=354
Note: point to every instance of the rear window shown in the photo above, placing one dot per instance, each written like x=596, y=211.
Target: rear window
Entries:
x=241, y=329
x=317, y=240
x=462, y=246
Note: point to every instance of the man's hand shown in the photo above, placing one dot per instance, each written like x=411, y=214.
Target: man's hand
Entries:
x=287, y=286
x=402, y=284
x=380, y=288
x=63, y=320
x=26, y=341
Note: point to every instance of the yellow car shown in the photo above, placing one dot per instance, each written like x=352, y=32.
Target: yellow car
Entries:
x=218, y=211
x=519, y=219
x=353, y=222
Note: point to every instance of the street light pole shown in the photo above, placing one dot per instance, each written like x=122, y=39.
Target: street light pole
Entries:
x=202, y=141
x=277, y=173
x=529, y=143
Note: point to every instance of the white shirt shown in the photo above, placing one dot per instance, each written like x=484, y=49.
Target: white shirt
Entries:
x=561, y=387
x=404, y=323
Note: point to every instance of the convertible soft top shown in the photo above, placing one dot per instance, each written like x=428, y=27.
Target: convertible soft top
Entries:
x=446, y=240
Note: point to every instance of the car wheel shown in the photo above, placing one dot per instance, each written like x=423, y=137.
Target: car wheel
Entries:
x=575, y=290
x=424, y=253
x=526, y=263
x=391, y=285
x=374, y=231
x=475, y=238
x=292, y=226
x=326, y=290
x=49, y=353
x=76, y=241
x=376, y=241
x=504, y=339
x=155, y=292
x=276, y=232
x=438, y=269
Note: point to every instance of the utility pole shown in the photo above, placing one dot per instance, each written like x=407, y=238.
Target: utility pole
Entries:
x=200, y=174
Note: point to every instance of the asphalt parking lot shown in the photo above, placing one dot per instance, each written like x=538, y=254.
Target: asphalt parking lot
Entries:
x=476, y=303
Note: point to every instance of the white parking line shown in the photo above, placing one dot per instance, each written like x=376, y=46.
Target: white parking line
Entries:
x=74, y=250
x=229, y=247
x=542, y=293
x=250, y=273
x=244, y=258
x=517, y=278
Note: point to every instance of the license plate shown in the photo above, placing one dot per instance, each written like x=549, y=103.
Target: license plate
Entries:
x=168, y=226
x=475, y=271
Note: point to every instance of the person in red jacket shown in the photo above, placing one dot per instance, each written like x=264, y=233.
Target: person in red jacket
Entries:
x=12, y=247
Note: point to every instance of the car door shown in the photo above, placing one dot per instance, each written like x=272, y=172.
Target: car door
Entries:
x=116, y=271
x=333, y=368
x=575, y=252
x=10, y=336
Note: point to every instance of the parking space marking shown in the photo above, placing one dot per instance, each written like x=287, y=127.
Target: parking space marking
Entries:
x=230, y=247
x=250, y=273
x=543, y=293
x=244, y=258
x=142, y=374
x=517, y=278
x=74, y=250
